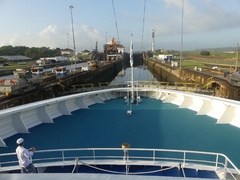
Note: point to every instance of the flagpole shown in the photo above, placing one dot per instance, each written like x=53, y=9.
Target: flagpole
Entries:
x=129, y=112
x=131, y=63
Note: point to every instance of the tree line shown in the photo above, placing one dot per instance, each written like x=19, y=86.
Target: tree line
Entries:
x=31, y=52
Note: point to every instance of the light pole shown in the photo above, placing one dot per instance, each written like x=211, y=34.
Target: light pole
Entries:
x=153, y=40
x=68, y=55
x=74, y=47
x=68, y=40
x=181, y=37
x=236, y=66
x=106, y=37
x=106, y=48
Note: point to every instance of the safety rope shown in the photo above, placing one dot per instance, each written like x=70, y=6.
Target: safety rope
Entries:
x=76, y=164
x=85, y=164
x=184, y=175
x=116, y=172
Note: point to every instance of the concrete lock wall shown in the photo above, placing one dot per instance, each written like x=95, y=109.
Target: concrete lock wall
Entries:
x=221, y=87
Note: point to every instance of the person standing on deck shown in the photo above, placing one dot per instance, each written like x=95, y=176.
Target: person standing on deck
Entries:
x=24, y=156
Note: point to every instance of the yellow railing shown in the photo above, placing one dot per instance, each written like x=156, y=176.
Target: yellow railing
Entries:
x=62, y=84
x=83, y=86
x=209, y=83
x=186, y=85
x=101, y=84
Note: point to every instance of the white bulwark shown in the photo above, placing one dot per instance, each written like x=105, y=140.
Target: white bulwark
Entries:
x=20, y=119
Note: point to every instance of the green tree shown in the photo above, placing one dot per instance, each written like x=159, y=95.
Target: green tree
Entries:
x=7, y=51
x=10, y=50
x=205, y=53
x=32, y=53
x=19, y=50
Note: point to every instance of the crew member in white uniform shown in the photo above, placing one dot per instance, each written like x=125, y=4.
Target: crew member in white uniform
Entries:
x=24, y=156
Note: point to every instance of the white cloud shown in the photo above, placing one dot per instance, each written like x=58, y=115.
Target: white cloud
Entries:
x=49, y=29
x=89, y=36
x=54, y=36
x=205, y=15
x=200, y=17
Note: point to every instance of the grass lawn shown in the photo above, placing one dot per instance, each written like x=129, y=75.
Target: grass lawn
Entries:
x=192, y=64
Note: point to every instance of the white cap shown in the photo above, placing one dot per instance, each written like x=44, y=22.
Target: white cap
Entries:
x=20, y=140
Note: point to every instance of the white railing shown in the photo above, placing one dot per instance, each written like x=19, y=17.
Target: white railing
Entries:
x=129, y=156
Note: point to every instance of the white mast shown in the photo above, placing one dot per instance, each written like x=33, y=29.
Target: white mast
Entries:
x=129, y=112
x=131, y=64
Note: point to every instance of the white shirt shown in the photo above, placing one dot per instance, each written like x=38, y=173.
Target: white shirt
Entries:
x=24, y=156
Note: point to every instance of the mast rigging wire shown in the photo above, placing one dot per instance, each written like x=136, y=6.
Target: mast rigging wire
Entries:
x=143, y=23
x=115, y=20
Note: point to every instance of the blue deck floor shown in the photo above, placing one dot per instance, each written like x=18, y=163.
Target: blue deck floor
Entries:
x=152, y=125
x=134, y=170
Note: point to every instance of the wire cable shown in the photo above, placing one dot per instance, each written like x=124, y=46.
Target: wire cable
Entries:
x=76, y=164
x=115, y=20
x=143, y=23
x=184, y=175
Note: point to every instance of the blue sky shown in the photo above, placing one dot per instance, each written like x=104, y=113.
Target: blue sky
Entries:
x=207, y=23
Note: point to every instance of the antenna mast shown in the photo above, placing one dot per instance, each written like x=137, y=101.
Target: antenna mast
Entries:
x=74, y=47
x=153, y=40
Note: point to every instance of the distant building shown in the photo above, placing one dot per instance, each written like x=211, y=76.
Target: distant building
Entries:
x=47, y=60
x=165, y=57
x=85, y=52
x=73, y=59
x=67, y=52
x=121, y=49
x=15, y=59
x=229, y=52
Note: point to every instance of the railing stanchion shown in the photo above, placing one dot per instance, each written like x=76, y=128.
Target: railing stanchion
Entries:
x=226, y=164
x=94, y=158
x=216, y=162
x=63, y=156
x=184, y=158
x=154, y=156
x=125, y=147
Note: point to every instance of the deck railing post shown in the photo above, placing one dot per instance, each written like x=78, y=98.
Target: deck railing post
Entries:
x=216, y=162
x=225, y=172
x=125, y=147
x=63, y=156
x=154, y=156
x=125, y=159
x=94, y=156
x=184, y=158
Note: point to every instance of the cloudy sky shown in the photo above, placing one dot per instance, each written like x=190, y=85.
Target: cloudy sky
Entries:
x=206, y=23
